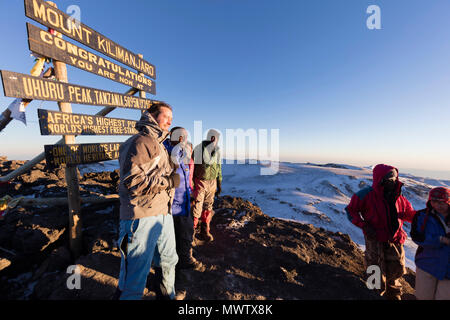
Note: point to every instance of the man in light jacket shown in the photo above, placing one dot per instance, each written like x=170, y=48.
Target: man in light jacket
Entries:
x=207, y=181
x=146, y=189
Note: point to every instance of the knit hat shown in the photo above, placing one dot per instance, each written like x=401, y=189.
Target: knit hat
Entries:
x=439, y=194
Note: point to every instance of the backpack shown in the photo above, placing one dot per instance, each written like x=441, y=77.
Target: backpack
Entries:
x=419, y=235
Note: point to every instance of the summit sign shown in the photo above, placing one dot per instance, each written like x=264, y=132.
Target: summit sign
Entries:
x=55, y=19
x=48, y=45
x=19, y=85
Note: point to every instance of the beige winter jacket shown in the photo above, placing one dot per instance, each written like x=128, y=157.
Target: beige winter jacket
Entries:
x=145, y=187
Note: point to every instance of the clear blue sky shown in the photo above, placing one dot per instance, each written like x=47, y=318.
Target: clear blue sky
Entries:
x=337, y=91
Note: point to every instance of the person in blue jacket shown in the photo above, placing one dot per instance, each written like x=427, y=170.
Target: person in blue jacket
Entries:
x=430, y=231
x=181, y=207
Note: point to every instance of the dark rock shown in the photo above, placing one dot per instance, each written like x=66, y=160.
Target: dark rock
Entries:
x=324, y=250
x=99, y=245
x=33, y=176
x=34, y=239
x=61, y=173
x=58, y=260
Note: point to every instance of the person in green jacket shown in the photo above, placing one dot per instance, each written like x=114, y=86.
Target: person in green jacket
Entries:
x=207, y=181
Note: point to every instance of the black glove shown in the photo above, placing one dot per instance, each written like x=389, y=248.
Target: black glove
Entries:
x=175, y=180
x=445, y=239
x=219, y=188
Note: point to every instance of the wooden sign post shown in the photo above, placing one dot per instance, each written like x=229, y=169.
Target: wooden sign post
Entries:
x=50, y=44
x=21, y=85
x=58, y=123
x=74, y=154
x=73, y=187
x=57, y=20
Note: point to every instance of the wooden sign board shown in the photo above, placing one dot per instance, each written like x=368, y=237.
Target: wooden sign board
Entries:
x=61, y=123
x=48, y=45
x=55, y=19
x=19, y=85
x=74, y=154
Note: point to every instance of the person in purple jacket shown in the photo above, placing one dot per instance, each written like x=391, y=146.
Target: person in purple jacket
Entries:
x=181, y=206
x=430, y=230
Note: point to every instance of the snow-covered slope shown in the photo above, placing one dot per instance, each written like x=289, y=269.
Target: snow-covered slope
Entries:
x=310, y=193
x=317, y=194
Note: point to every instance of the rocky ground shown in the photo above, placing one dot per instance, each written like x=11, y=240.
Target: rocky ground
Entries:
x=253, y=256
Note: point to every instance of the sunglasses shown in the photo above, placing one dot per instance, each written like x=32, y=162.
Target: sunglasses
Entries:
x=390, y=179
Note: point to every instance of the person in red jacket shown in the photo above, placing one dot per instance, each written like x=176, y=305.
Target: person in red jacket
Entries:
x=380, y=211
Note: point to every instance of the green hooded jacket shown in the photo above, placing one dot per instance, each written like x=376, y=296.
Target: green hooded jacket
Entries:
x=208, y=167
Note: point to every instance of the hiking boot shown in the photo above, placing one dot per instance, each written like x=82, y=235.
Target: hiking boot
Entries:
x=158, y=286
x=205, y=232
x=392, y=296
x=188, y=264
x=180, y=295
x=188, y=261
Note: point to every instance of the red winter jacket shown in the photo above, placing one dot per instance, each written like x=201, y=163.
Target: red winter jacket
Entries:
x=369, y=206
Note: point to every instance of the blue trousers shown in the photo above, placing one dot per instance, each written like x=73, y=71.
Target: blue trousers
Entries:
x=139, y=241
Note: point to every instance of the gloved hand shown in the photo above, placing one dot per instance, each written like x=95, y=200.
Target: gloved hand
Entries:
x=369, y=231
x=445, y=240
x=175, y=180
x=219, y=188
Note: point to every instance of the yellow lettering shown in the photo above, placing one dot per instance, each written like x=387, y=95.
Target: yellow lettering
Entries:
x=83, y=53
x=65, y=118
x=52, y=91
x=27, y=86
x=92, y=58
x=60, y=44
x=39, y=11
x=57, y=117
x=71, y=92
x=101, y=62
x=52, y=17
x=72, y=49
x=45, y=91
x=60, y=91
x=88, y=34
x=76, y=29
x=86, y=96
x=77, y=94
x=101, y=44
x=74, y=60
x=46, y=37
x=50, y=117
x=36, y=87
x=119, y=53
x=65, y=25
